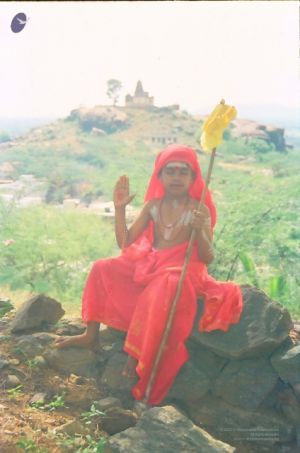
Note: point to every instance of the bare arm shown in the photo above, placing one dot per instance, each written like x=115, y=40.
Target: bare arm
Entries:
x=139, y=225
x=125, y=236
x=202, y=223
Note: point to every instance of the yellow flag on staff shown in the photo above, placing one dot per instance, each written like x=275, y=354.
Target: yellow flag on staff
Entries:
x=215, y=125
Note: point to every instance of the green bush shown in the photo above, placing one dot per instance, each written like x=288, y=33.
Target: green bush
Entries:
x=256, y=237
x=52, y=249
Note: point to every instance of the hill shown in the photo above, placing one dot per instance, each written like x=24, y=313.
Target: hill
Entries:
x=255, y=187
x=19, y=126
x=81, y=155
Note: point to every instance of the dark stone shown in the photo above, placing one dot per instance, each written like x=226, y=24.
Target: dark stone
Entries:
x=263, y=326
x=168, y=430
x=36, y=312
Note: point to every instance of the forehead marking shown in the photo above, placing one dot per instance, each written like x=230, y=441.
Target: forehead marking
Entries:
x=177, y=165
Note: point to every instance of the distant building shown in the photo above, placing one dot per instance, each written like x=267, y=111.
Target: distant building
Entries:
x=140, y=99
x=163, y=138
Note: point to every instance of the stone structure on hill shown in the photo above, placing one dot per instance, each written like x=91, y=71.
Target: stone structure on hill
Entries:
x=140, y=99
x=251, y=129
x=161, y=138
x=100, y=120
x=239, y=390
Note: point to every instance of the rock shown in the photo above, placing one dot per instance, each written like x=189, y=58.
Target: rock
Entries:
x=286, y=362
x=197, y=375
x=236, y=425
x=190, y=383
x=271, y=400
x=77, y=380
x=3, y=362
x=252, y=129
x=112, y=383
x=290, y=405
x=97, y=132
x=82, y=395
x=36, y=312
x=39, y=361
x=112, y=375
x=111, y=341
x=3, y=325
x=246, y=383
x=117, y=419
x=110, y=335
x=82, y=362
x=108, y=119
x=38, y=398
x=44, y=338
x=29, y=346
x=264, y=325
x=12, y=381
x=139, y=408
x=108, y=403
x=276, y=136
x=296, y=388
x=14, y=362
x=165, y=429
x=297, y=438
x=206, y=361
x=57, y=385
x=71, y=428
x=4, y=337
x=71, y=327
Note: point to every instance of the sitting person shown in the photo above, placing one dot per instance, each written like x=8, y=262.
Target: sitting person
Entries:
x=133, y=292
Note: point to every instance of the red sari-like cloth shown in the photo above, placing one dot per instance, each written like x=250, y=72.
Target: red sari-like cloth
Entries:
x=134, y=291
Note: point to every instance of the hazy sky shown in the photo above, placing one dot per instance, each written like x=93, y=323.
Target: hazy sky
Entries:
x=191, y=53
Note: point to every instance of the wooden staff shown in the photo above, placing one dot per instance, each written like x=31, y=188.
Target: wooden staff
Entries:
x=179, y=287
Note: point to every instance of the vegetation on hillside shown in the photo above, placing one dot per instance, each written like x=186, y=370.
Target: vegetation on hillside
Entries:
x=113, y=88
x=256, y=190
x=50, y=251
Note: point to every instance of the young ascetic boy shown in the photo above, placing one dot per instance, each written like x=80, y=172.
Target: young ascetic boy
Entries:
x=134, y=291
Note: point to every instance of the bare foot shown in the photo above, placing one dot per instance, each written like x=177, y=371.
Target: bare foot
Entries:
x=82, y=341
x=129, y=370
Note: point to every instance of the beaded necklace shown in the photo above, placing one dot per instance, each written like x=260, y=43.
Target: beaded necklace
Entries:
x=170, y=227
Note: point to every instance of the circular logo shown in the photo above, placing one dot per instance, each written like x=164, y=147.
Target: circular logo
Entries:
x=18, y=22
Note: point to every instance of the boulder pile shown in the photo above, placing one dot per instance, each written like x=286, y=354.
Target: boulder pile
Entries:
x=100, y=119
x=239, y=391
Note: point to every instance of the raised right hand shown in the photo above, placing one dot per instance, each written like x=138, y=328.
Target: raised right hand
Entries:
x=121, y=195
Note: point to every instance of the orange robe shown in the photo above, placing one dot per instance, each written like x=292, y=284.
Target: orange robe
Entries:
x=134, y=291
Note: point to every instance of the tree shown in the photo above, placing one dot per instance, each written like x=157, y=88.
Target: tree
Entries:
x=113, y=88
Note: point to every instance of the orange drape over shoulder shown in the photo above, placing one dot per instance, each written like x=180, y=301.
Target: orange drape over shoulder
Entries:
x=134, y=292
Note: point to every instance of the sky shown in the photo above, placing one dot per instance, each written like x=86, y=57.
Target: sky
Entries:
x=190, y=53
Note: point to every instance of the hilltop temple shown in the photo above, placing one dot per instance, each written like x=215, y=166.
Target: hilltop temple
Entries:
x=159, y=135
x=140, y=99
